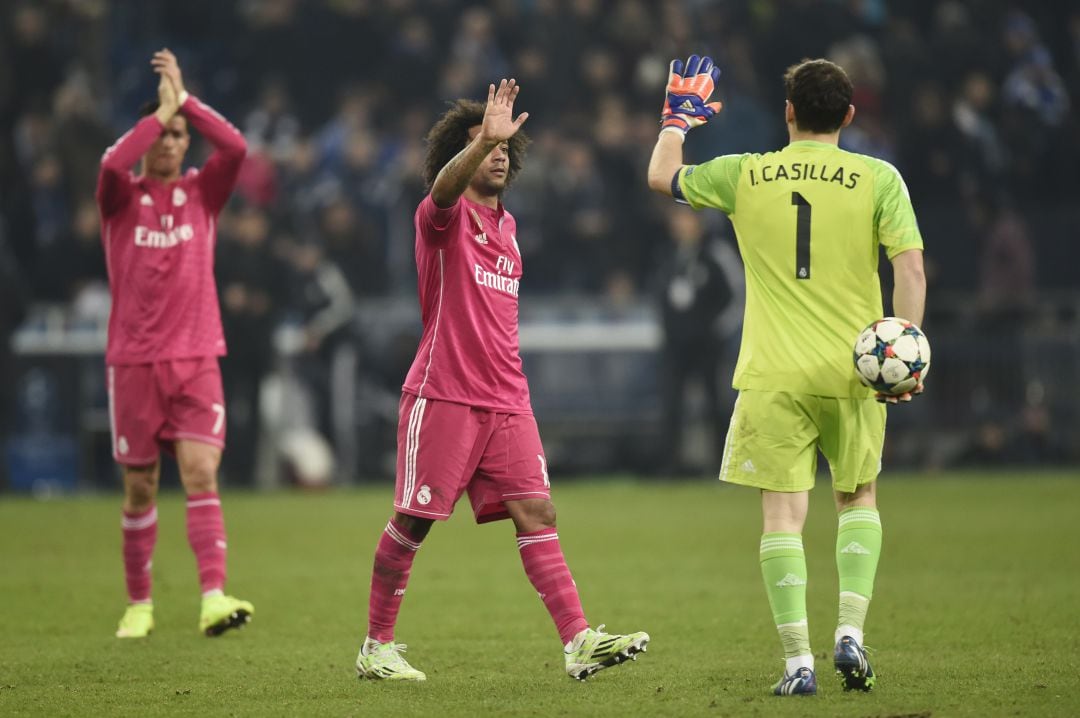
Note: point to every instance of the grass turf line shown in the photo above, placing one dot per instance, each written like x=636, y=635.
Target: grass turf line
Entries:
x=973, y=615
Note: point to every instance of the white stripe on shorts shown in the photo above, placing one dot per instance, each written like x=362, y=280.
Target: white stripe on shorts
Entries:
x=112, y=408
x=412, y=446
x=727, y=440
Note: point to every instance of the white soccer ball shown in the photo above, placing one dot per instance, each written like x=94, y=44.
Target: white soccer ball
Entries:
x=892, y=356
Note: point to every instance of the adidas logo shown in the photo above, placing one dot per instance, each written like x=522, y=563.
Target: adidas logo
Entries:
x=857, y=548
x=748, y=467
x=145, y=201
x=481, y=238
x=789, y=581
x=686, y=105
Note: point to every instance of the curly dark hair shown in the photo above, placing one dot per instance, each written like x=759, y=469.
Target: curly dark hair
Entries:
x=820, y=92
x=451, y=133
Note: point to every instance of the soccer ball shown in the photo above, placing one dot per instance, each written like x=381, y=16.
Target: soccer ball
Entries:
x=891, y=356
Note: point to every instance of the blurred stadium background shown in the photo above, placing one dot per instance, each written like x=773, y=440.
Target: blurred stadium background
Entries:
x=972, y=101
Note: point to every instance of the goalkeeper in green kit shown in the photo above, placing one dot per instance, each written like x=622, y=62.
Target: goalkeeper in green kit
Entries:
x=809, y=220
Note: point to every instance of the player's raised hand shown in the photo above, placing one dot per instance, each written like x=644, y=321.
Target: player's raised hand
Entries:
x=899, y=398
x=686, y=102
x=499, y=123
x=165, y=64
x=168, y=100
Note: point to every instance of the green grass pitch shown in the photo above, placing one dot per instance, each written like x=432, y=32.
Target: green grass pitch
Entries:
x=975, y=612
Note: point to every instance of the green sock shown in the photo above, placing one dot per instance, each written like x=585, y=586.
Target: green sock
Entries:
x=783, y=567
x=858, y=546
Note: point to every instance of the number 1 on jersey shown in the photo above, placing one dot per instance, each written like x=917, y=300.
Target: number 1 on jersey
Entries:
x=802, y=236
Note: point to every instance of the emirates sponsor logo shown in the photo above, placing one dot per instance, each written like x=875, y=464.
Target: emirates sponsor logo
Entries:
x=499, y=280
x=158, y=239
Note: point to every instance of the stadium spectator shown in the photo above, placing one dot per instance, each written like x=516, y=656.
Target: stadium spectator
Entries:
x=465, y=422
x=14, y=298
x=249, y=280
x=165, y=336
x=701, y=300
x=325, y=308
x=972, y=100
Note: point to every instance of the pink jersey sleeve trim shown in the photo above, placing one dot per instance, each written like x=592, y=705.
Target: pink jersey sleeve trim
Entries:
x=436, y=218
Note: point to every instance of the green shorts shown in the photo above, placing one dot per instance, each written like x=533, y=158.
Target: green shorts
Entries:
x=774, y=436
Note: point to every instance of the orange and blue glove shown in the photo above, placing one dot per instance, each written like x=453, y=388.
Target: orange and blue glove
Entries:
x=686, y=105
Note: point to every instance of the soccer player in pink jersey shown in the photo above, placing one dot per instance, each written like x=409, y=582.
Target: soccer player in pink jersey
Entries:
x=465, y=420
x=165, y=337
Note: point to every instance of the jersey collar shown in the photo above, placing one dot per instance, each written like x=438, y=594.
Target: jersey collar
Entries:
x=494, y=214
x=812, y=143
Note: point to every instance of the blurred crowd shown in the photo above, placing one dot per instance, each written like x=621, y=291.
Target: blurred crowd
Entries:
x=971, y=100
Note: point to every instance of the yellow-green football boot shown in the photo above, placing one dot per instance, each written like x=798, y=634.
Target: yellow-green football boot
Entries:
x=593, y=651
x=138, y=621
x=220, y=613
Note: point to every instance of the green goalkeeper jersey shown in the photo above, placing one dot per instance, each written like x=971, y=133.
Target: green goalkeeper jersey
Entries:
x=809, y=220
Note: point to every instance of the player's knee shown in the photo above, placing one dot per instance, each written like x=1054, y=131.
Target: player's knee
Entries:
x=416, y=527
x=199, y=473
x=543, y=513
x=140, y=488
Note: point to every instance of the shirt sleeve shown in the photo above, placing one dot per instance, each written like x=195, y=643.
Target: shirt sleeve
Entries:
x=894, y=217
x=114, y=176
x=218, y=176
x=433, y=221
x=711, y=184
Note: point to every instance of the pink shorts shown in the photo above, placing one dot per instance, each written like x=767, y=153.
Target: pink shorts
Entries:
x=153, y=405
x=445, y=449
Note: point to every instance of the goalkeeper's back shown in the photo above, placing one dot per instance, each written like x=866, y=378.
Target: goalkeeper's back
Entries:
x=809, y=220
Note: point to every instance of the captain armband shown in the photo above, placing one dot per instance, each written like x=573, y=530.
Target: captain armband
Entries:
x=676, y=188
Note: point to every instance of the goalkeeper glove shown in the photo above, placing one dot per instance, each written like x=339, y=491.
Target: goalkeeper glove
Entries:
x=688, y=90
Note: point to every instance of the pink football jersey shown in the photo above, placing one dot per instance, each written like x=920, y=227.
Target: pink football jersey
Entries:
x=469, y=271
x=159, y=243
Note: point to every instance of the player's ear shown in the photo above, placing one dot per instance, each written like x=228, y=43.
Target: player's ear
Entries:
x=848, y=117
x=789, y=112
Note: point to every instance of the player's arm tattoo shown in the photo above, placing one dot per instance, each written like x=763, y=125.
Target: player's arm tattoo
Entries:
x=455, y=175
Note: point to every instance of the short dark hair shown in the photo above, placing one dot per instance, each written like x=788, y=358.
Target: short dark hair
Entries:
x=820, y=91
x=451, y=133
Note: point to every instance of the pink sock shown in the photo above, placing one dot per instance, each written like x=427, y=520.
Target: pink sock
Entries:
x=393, y=562
x=140, y=535
x=546, y=568
x=206, y=534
